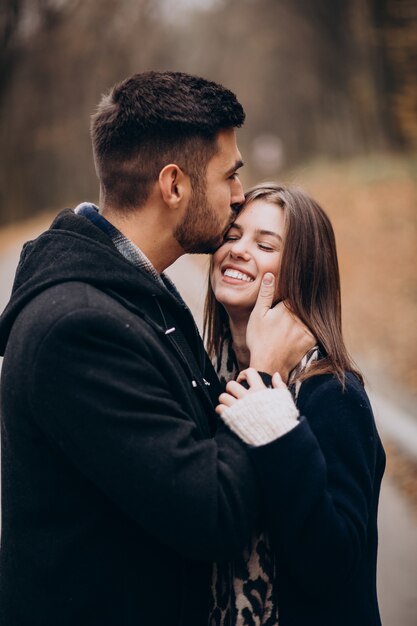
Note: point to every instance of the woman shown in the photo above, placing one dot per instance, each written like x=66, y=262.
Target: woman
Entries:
x=313, y=559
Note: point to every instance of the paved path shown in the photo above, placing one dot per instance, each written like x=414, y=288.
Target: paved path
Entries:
x=397, y=571
x=397, y=561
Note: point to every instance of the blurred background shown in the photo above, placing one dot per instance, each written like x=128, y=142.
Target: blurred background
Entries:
x=330, y=92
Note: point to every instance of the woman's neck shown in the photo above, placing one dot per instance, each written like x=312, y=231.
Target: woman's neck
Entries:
x=238, y=331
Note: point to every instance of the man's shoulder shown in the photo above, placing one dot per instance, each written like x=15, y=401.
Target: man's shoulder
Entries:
x=66, y=301
x=67, y=296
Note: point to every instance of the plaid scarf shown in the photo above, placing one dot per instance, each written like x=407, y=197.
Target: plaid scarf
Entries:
x=126, y=247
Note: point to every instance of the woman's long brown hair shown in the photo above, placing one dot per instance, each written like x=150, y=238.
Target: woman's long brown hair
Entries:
x=309, y=282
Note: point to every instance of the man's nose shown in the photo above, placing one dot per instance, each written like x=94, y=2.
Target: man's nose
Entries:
x=238, y=197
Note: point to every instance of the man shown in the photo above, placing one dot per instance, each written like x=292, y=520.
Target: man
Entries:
x=119, y=486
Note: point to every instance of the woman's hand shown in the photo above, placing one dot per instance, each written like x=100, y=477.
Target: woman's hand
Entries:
x=235, y=391
x=276, y=338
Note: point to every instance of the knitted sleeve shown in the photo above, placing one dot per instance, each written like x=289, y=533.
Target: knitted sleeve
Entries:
x=262, y=416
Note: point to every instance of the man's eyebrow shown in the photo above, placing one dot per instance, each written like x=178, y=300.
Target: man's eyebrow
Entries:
x=235, y=167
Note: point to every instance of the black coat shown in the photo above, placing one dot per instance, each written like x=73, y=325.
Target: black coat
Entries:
x=116, y=495
x=320, y=485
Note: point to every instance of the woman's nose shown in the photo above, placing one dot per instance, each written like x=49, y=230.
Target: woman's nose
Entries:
x=239, y=249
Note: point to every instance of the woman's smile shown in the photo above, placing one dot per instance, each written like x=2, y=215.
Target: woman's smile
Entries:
x=235, y=275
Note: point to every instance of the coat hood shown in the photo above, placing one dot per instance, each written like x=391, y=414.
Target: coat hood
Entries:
x=74, y=249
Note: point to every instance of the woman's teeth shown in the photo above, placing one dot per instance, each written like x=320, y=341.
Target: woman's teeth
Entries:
x=239, y=275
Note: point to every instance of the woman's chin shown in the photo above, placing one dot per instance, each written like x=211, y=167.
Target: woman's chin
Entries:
x=235, y=302
x=240, y=296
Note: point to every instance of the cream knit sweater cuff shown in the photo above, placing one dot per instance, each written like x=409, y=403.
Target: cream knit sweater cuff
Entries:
x=262, y=416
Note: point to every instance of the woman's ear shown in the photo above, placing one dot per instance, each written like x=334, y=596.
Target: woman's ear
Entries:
x=175, y=186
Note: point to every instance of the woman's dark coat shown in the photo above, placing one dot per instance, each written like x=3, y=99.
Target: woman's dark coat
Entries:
x=320, y=484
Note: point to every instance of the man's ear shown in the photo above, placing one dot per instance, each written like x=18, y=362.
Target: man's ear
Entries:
x=175, y=186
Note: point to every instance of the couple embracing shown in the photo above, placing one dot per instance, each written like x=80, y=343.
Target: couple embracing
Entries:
x=141, y=484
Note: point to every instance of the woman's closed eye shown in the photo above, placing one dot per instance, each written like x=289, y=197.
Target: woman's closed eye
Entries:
x=266, y=247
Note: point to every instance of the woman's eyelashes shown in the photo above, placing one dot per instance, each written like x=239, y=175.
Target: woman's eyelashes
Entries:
x=266, y=247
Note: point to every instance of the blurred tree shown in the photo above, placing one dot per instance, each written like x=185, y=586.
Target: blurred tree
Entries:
x=10, y=12
x=332, y=78
x=71, y=52
x=308, y=72
x=396, y=27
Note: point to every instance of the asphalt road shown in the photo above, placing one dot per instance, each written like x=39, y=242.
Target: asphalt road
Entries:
x=397, y=566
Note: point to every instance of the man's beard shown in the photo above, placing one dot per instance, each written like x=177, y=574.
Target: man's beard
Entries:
x=200, y=231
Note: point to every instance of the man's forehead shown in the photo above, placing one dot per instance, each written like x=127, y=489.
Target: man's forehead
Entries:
x=226, y=138
x=227, y=151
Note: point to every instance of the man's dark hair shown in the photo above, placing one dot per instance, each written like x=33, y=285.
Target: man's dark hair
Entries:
x=155, y=118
